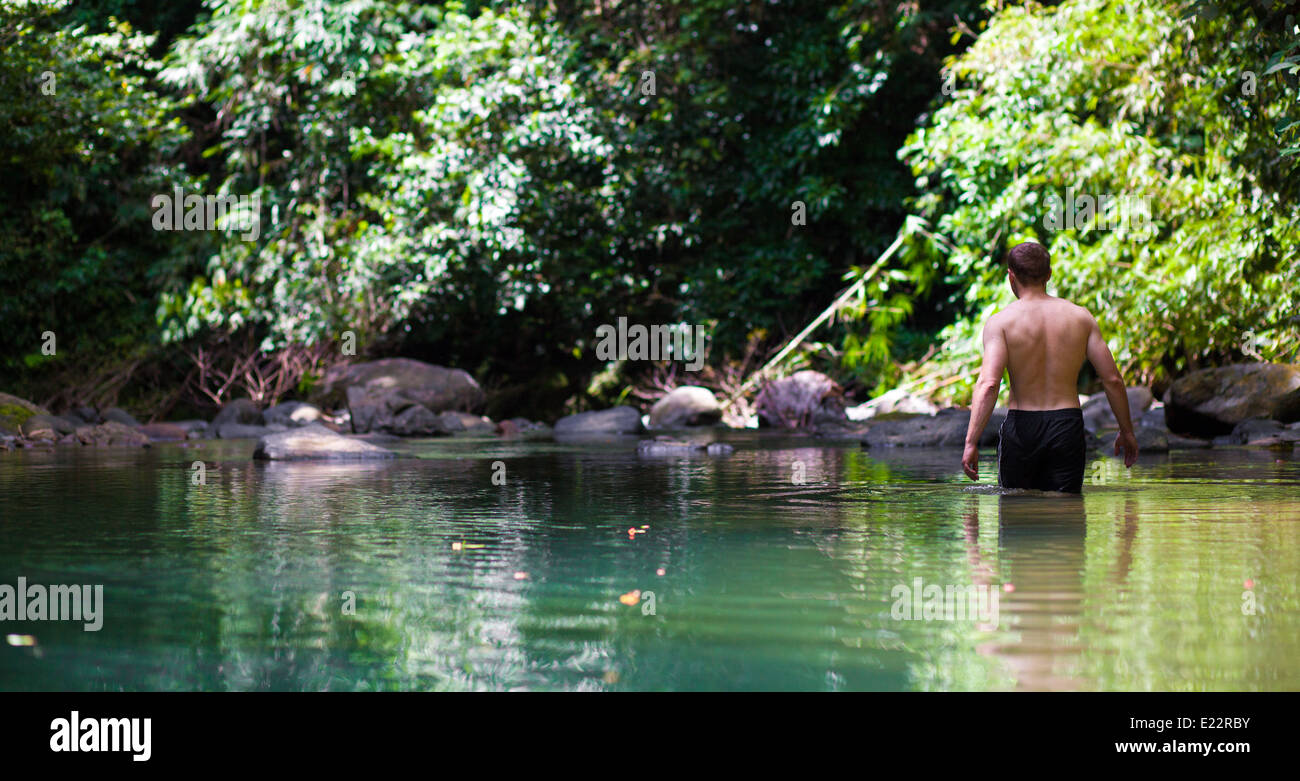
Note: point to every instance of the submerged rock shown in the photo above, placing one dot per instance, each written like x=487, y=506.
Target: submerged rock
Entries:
x=618, y=420
x=1211, y=402
x=315, y=442
x=667, y=446
x=689, y=405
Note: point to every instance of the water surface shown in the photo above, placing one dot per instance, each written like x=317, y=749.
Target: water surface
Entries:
x=347, y=576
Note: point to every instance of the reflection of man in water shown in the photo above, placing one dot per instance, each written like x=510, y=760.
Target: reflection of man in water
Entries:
x=1041, y=342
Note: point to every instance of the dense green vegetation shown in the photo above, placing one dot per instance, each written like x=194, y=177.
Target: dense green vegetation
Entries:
x=483, y=184
x=1180, y=107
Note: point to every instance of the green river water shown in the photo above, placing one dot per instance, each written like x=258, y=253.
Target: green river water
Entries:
x=1179, y=575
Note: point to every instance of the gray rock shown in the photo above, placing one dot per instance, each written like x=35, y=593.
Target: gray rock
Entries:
x=1150, y=440
x=51, y=423
x=376, y=392
x=803, y=399
x=946, y=429
x=315, y=442
x=14, y=410
x=1263, y=431
x=1097, y=414
x=86, y=415
x=897, y=400
x=239, y=431
x=111, y=434
x=619, y=420
x=1152, y=418
x=194, y=429
x=238, y=411
x=163, y=432
x=119, y=415
x=291, y=413
x=464, y=423
x=1211, y=402
x=689, y=405
x=415, y=420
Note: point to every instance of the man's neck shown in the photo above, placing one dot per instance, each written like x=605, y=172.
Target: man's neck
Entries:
x=1033, y=293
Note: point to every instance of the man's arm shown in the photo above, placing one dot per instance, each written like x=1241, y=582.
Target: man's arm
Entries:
x=1104, y=363
x=986, y=393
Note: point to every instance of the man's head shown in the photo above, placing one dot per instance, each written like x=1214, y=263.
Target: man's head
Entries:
x=1028, y=266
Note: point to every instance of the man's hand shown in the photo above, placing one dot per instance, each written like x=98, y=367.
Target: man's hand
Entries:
x=1129, y=444
x=970, y=461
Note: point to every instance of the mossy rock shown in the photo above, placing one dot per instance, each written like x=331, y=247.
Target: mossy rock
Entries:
x=14, y=412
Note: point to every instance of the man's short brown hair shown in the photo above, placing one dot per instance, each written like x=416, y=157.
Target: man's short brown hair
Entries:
x=1030, y=262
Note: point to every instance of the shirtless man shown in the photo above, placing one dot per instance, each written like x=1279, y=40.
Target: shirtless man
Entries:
x=1041, y=342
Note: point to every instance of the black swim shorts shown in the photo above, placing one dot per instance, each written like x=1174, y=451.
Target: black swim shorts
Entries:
x=1042, y=449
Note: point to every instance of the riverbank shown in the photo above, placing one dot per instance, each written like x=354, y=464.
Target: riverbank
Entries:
x=1255, y=405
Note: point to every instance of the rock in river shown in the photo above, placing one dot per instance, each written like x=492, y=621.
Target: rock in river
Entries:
x=619, y=420
x=689, y=405
x=1211, y=402
x=946, y=429
x=316, y=442
x=378, y=391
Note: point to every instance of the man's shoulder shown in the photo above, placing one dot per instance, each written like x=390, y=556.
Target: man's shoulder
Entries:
x=1080, y=311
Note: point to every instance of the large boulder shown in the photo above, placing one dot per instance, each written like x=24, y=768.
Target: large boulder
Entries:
x=689, y=405
x=1211, y=402
x=243, y=411
x=291, y=413
x=377, y=391
x=803, y=399
x=315, y=442
x=619, y=420
x=15, y=411
x=897, y=400
x=945, y=429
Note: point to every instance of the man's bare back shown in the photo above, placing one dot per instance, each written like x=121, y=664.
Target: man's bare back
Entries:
x=1041, y=342
x=1046, y=341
